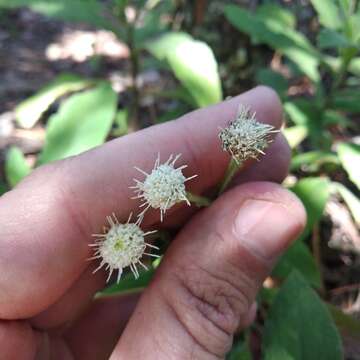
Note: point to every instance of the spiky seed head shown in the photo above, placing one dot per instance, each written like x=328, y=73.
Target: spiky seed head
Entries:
x=245, y=137
x=163, y=187
x=122, y=245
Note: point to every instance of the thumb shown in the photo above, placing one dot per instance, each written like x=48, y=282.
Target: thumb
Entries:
x=209, y=278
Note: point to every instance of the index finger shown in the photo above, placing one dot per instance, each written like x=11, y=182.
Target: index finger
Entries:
x=47, y=221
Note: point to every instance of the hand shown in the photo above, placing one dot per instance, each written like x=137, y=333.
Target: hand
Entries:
x=206, y=285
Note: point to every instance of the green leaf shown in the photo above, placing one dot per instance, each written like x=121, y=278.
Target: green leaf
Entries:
x=295, y=135
x=121, y=123
x=193, y=63
x=328, y=13
x=128, y=283
x=312, y=160
x=347, y=100
x=282, y=38
x=348, y=325
x=306, y=113
x=349, y=155
x=29, y=111
x=240, y=351
x=329, y=38
x=82, y=122
x=350, y=199
x=16, y=167
x=299, y=326
x=277, y=13
x=87, y=11
x=332, y=117
x=3, y=188
x=314, y=193
x=298, y=257
x=273, y=79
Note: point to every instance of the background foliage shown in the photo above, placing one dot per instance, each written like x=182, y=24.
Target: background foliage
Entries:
x=202, y=52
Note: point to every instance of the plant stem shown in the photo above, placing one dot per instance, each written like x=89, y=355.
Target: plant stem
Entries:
x=200, y=201
x=233, y=167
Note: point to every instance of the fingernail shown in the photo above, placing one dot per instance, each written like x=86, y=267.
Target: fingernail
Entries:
x=266, y=228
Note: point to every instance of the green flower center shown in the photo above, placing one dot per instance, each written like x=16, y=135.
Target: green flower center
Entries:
x=119, y=244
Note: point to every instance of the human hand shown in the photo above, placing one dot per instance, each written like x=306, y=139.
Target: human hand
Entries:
x=206, y=285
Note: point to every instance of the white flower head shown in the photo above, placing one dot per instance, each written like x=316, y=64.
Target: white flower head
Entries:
x=120, y=246
x=163, y=187
x=245, y=137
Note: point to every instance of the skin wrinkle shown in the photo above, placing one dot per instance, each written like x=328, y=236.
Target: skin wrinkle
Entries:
x=203, y=301
x=242, y=300
x=178, y=318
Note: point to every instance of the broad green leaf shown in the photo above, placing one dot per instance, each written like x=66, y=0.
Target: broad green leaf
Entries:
x=347, y=324
x=121, y=123
x=350, y=199
x=335, y=118
x=3, y=188
x=82, y=122
x=329, y=14
x=273, y=79
x=314, y=193
x=329, y=38
x=354, y=66
x=298, y=115
x=16, y=167
x=299, y=325
x=306, y=113
x=298, y=257
x=282, y=38
x=277, y=13
x=193, y=63
x=295, y=135
x=29, y=111
x=240, y=351
x=349, y=155
x=347, y=100
x=312, y=160
x=128, y=283
x=87, y=11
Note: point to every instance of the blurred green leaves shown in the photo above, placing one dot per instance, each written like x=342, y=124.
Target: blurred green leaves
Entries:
x=87, y=11
x=314, y=193
x=16, y=167
x=298, y=257
x=299, y=325
x=350, y=199
x=328, y=12
x=265, y=28
x=193, y=63
x=349, y=155
x=29, y=111
x=82, y=122
x=129, y=283
x=329, y=38
x=240, y=351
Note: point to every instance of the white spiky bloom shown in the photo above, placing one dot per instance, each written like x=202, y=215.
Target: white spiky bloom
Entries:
x=245, y=137
x=120, y=246
x=163, y=187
